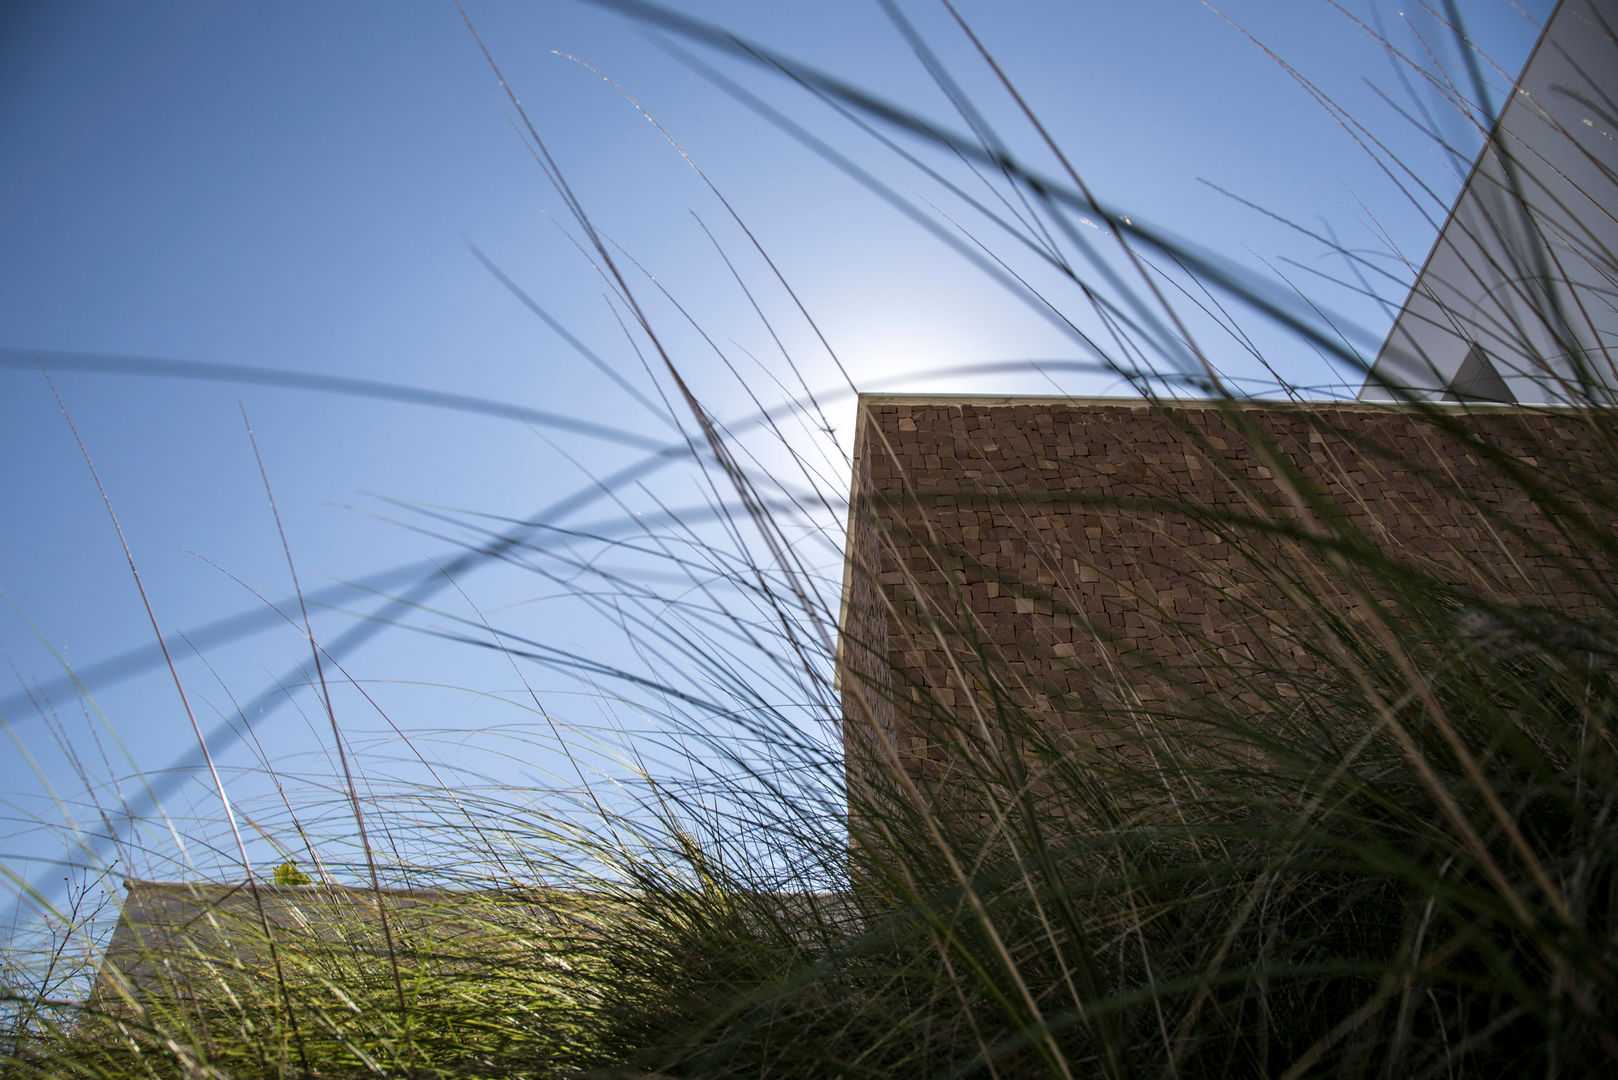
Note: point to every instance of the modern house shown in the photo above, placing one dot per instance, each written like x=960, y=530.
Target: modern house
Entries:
x=1124, y=567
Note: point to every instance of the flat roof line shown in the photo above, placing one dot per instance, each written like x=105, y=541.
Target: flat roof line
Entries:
x=1134, y=402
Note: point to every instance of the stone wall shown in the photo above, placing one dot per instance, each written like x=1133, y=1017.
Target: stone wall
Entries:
x=1121, y=567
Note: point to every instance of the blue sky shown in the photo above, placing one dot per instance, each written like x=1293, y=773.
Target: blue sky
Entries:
x=300, y=188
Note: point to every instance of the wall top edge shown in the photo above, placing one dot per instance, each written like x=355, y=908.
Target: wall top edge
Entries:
x=219, y=889
x=866, y=400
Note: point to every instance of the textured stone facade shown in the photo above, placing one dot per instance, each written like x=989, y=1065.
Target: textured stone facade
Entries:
x=1117, y=564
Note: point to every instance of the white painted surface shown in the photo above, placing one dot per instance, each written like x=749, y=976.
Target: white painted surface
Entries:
x=1533, y=281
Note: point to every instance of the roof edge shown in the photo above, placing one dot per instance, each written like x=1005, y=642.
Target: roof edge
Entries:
x=219, y=889
x=868, y=400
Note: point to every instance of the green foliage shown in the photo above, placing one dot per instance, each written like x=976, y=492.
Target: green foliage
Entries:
x=289, y=874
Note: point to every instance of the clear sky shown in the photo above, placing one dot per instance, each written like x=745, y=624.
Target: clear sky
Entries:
x=305, y=189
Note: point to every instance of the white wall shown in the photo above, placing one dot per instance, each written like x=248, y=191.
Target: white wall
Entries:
x=1537, y=291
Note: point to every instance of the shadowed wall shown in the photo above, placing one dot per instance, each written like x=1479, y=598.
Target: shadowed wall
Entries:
x=1121, y=569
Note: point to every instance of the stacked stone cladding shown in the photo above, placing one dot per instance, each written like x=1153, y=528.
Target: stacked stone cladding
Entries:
x=1116, y=564
x=863, y=669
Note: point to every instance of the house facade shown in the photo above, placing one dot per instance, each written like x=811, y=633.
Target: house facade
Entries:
x=1118, y=569
x=199, y=950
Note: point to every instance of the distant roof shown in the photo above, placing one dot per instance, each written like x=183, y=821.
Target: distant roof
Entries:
x=174, y=938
